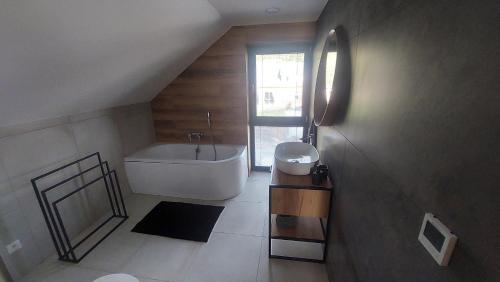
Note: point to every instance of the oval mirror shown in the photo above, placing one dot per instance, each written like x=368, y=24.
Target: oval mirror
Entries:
x=333, y=79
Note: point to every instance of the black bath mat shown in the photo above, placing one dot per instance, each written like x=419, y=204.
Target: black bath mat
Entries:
x=180, y=220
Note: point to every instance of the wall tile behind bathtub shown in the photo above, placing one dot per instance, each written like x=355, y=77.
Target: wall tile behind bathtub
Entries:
x=136, y=131
x=7, y=199
x=97, y=134
x=23, y=157
x=13, y=226
x=31, y=210
x=3, y=174
x=135, y=126
x=30, y=151
x=101, y=134
x=25, y=195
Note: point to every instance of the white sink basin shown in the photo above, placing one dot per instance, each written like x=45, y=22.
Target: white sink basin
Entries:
x=295, y=158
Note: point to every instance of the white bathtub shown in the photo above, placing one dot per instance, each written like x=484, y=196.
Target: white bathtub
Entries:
x=172, y=170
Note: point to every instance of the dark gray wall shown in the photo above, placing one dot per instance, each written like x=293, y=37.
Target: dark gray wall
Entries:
x=422, y=134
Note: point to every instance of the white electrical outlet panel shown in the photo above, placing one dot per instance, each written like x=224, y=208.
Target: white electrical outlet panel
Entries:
x=437, y=239
x=14, y=246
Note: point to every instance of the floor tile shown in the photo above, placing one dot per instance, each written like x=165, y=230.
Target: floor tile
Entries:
x=116, y=250
x=48, y=267
x=278, y=270
x=163, y=258
x=242, y=218
x=236, y=251
x=227, y=258
x=56, y=272
x=265, y=228
x=138, y=205
x=260, y=176
x=142, y=279
x=254, y=191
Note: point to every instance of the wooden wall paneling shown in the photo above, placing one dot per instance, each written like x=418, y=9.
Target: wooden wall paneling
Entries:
x=217, y=82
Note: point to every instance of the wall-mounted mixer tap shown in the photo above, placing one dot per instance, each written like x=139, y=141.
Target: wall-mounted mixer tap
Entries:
x=196, y=135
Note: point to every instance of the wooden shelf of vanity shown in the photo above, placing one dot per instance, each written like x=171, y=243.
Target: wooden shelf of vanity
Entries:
x=298, y=196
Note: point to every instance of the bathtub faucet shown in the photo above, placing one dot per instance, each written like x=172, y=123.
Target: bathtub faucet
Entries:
x=196, y=135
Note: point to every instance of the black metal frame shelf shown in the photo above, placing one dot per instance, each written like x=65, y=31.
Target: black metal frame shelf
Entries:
x=52, y=215
x=301, y=238
x=321, y=224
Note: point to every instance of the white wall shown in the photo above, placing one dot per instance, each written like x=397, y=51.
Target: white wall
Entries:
x=28, y=150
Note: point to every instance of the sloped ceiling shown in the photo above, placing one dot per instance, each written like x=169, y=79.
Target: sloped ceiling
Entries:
x=62, y=57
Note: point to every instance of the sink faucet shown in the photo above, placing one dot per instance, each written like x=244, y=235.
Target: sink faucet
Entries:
x=308, y=138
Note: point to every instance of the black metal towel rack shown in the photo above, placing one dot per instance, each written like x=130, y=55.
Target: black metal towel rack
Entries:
x=58, y=232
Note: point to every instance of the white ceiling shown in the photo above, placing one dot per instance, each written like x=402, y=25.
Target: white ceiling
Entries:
x=62, y=57
x=246, y=12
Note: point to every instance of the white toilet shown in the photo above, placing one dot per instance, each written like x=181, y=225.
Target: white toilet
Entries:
x=119, y=277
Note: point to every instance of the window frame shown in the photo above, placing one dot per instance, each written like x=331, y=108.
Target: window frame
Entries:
x=275, y=121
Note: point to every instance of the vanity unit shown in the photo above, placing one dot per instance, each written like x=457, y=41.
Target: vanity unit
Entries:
x=302, y=208
x=295, y=195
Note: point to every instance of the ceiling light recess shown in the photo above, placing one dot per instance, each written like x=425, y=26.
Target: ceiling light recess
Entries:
x=272, y=10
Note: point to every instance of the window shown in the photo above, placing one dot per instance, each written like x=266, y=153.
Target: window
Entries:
x=266, y=139
x=279, y=76
x=278, y=106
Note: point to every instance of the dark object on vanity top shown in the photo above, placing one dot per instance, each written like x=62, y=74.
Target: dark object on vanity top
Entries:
x=323, y=171
x=316, y=178
x=180, y=220
x=319, y=173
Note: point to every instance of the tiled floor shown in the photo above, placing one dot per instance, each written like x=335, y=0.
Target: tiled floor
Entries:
x=236, y=251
